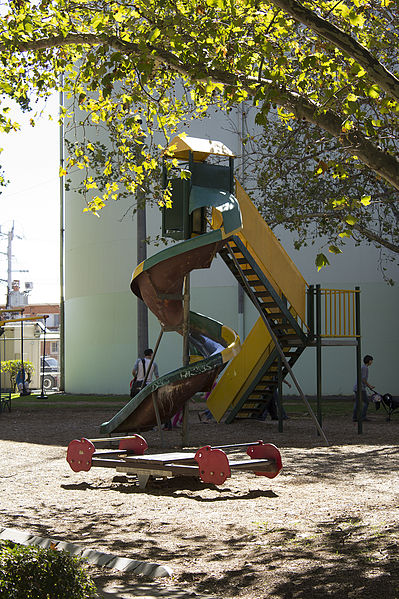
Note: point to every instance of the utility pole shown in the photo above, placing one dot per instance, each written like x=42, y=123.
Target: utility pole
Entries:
x=4, y=253
x=9, y=263
x=62, y=247
x=10, y=239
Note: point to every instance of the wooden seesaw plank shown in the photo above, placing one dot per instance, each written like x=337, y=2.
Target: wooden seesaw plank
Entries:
x=210, y=464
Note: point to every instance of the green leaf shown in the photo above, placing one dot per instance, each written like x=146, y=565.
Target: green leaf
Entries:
x=366, y=200
x=98, y=19
x=334, y=249
x=5, y=87
x=374, y=92
x=352, y=98
x=351, y=220
x=356, y=19
x=119, y=15
x=321, y=261
x=155, y=34
x=343, y=9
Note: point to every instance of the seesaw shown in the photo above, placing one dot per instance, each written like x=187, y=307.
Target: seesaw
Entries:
x=210, y=464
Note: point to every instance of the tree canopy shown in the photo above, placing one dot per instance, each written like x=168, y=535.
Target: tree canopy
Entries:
x=299, y=181
x=332, y=64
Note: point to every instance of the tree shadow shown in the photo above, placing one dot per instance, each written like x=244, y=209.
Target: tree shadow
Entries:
x=346, y=560
x=339, y=557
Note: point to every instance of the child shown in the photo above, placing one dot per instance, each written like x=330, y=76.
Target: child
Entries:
x=206, y=415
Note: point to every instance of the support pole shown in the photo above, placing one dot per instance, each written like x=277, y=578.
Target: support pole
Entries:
x=61, y=355
x=22, y=357
x=158, y=419
x=280, y=396
x=241, y=313
x=142, y=310
x=1, y=388
x=358, y=361
x=318, y=354
x=154, y=400
x=154, y=353
x=277, y=345
x=310, y=312
x=186, y=353
x=42, y=394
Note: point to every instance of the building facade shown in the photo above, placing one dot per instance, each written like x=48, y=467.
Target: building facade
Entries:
x=101, y=311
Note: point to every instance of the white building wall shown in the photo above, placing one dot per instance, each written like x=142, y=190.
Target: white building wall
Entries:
x=100, y=310
x=357, y=266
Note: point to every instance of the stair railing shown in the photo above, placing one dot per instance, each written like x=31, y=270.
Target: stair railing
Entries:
x=277, y=345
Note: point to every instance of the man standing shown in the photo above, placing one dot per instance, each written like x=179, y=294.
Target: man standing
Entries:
x=367, y=361
x=142, y=372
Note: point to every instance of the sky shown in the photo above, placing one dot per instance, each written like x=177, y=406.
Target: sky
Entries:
x=31, y=200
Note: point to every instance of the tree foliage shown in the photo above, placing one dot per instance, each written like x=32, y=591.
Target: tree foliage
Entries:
x=143, y=65
x=303, y=184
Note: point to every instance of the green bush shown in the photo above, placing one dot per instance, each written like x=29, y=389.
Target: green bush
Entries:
x=13, y=366
x=28, y=572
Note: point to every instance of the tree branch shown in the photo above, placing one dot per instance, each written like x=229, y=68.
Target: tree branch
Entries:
x=353, y=141
x=56, y=41
x=378, y=73
x=367, y=233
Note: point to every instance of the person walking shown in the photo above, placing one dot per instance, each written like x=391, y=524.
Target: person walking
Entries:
x=367, y=362
x=142, y=372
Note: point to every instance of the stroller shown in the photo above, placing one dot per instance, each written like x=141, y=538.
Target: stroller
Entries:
x=388, y=402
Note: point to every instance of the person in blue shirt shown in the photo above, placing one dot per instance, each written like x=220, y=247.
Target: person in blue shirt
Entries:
x=22, y=382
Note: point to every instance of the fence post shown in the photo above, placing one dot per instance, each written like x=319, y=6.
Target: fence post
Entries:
x=310, y=312
x=280, y=395
x=318, y=353
x=358, y=361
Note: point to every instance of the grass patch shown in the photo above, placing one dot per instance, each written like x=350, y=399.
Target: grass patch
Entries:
x=34, y=400
x=330, y=406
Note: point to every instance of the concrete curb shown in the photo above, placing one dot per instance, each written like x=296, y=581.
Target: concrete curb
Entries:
x=97, y=558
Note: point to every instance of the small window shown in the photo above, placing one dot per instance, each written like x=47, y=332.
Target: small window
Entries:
x=53, y=321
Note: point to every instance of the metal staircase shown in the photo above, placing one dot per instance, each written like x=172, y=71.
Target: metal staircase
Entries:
x=282, y=320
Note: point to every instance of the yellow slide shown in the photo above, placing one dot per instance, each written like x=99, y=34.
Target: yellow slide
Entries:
x=244, y=372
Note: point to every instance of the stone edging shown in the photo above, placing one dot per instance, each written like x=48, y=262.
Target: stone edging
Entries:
x=97, y=558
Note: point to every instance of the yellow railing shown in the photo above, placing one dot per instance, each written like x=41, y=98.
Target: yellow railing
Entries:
x=338, y=312
x=270, y=255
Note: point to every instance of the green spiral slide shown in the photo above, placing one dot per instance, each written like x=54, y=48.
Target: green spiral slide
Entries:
x=158, y=281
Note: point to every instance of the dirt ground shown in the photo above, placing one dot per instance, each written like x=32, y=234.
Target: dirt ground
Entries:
x=327, y=526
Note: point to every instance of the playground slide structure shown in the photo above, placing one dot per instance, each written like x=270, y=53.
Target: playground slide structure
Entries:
x=258, y=262
x=159, y=282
